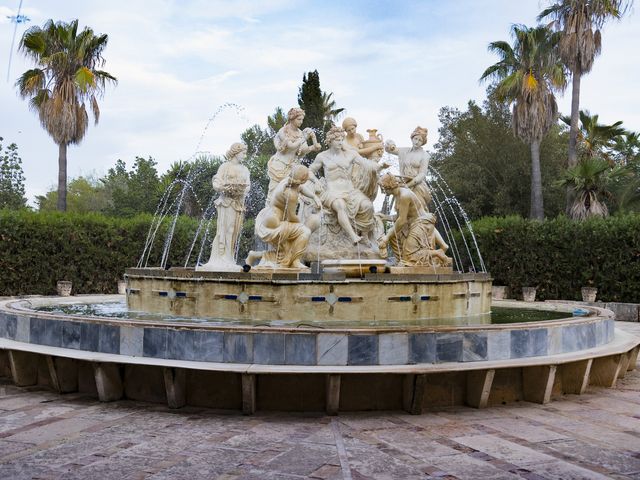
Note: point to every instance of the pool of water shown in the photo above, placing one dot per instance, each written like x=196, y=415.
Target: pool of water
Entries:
x=119, y=309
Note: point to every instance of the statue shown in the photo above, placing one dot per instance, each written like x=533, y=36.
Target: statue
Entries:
x=414, y=239
x=278, y=224
x=338, y=192
x=291, y=144
x=413, y=164
x=357, y=142
x=232, y=182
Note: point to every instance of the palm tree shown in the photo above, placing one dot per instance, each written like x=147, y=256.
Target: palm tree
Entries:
x=592, y=180
x=579, y=22
x=329, y=111
x=526, y=76
x=596, y=138
x=65, y=78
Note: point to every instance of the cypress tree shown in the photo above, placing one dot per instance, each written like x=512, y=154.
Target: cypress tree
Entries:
x=310, y=100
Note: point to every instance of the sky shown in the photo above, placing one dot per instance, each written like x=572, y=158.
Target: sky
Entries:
x=391, y=64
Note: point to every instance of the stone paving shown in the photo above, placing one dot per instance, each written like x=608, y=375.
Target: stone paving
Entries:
x=44, y=435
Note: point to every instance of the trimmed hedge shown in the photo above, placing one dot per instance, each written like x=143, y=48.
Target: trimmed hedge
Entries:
x=91, y=250
x=560, y=256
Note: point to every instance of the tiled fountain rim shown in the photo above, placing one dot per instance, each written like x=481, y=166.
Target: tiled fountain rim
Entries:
x=295, y=347
x=25, y=306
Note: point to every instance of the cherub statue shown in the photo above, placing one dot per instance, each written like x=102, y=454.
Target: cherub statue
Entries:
x=414, y=239
x=232, y=182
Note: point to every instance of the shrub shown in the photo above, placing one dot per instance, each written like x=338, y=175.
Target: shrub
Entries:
x=91, y=250
x=560, y=256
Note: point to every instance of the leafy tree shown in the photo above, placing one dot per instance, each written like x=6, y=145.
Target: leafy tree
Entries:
x=66, y=77
x=579, y=22
x=84, y=195
x=11, y=178
x=197, y=175
x=626, y=149
x=135, y=191
x=526, y=76
x=487, y=167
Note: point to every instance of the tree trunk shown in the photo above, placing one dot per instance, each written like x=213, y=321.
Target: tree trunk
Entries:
x=573, y=133
x=62, y=177
x=537, y=205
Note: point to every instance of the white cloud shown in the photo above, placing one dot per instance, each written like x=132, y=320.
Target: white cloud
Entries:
x=177, y=61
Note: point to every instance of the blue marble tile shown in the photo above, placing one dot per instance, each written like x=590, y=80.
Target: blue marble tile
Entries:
x=208, y=347
x=8, y=326
x=154, y=342
x=89, y=334
x=268, y=348
x=238, y=348
x=52, y=333
x=474, y=347
x=610, y=330
x=529, y=343
x=363, y=350
x=37, y=330
x=182, y=344
x=71, y=333
x=422, y=348
x=539, y=344
x=449, y=347
x=300, y=349
x=601, y=333
x=109, y=339
x=578, y=337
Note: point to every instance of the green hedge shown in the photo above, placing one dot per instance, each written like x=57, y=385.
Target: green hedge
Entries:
x=91, y=250
x=560, y=256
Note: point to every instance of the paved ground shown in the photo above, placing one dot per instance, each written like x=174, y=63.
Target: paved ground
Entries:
x=44, y=435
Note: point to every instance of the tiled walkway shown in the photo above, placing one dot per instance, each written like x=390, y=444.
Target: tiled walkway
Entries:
x=596, y=435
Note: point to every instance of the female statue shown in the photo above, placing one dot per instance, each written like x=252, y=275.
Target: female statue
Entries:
x=232, y=182
x=365, y=179
x=291, y=144
x=413, y=163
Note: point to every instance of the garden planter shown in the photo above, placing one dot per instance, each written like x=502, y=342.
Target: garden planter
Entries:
x=589, y=294
x=64, y=288
x=529, y=294
x=498, y=292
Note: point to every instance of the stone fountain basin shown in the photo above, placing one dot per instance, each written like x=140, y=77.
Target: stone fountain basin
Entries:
x=334, y=369
x=304, y=345
x=308, y=297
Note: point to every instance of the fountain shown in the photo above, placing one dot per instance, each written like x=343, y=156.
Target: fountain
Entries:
x=340, y=308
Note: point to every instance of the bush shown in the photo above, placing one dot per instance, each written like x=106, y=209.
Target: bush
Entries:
x=560, y=256
x=91, y=250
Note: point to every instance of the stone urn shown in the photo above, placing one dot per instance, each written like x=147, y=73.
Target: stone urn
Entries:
x=498, y=292
x=529, y=294
x=375, y=139
x=64, y=288
x=589, y=294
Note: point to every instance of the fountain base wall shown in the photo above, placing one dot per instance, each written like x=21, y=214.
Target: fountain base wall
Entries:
x=308, y=297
